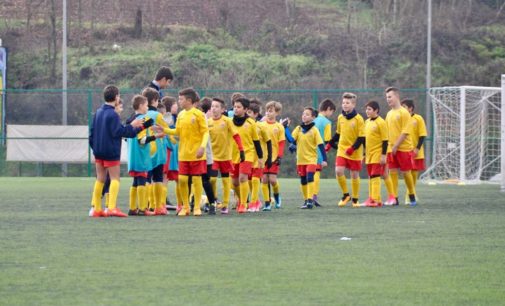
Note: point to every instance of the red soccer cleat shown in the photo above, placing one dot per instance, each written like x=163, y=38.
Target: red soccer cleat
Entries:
x=97, y=213
x=161, y=211
x=241, y=209
x=116, y=212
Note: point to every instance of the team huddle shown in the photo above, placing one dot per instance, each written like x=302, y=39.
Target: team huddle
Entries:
x=205, y=139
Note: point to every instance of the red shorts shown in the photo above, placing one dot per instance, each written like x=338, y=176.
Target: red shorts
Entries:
x=256, y=172
x=172, y=175
x=225, y=166
x=107, y=163
x=418, y=164
x=353, y=165
x=272, y=170
x=319, y=167
x=304, y=169
x=243, y=167
x=136, y=173
x=375, y=169
x=197, y=167
x=402, y=160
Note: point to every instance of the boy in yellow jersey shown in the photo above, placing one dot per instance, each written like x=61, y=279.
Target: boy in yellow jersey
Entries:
x=376, y=140
x=323, y=124
x=400, y=146
x=418, y=135
x=191, y=127
x=308, y=141
x=278, y=139
x=350, y=136
x=222, y=132
x=158, y=190
x=105, y=137
x=266, y=146
x=246, y=127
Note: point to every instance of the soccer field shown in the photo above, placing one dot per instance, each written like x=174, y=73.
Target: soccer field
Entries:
x=447, y=251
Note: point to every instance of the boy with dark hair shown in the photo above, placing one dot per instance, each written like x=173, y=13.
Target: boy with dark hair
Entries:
x=139, y=160
x=163, y=78
x=266, y=145
x=158, y=155
x=222, y=132
x=376, y=139
x=350, y=136
x=193, y=133
x=308, y=141
x=418, y=135
x=278, y=139
x=323, y=124
x=400, y=146
x=246, y=127
x=105, y=136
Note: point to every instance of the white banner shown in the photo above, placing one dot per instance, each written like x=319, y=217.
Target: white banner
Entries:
x=50, y=143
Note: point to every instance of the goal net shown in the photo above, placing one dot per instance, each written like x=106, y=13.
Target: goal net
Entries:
x=467, y=135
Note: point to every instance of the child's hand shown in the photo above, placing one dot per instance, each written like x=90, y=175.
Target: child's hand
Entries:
x=261, y=163
x=292, y=148
x=383, y=159
x=199, y=153
x=137, y=123
x=324, y=164
x=157, y=128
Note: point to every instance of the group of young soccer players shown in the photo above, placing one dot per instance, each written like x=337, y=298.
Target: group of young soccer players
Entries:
x=206, y=139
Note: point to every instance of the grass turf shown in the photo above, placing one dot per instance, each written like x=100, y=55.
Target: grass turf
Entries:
x=449, y=250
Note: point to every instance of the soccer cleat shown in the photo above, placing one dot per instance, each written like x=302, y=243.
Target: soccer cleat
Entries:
x=316, y=204
x=133, y=212
x=278, y=201
x=197, y=211
x=160, y=211
x=219, y=205
x=267, y=207
x=183, y=212
x=206, y=208
x=212, y=209
x=97, y=213
x=224, y=210
x=356, y=204
x=413, y=203
x=178, y=209
x=145, y=213
x=116, y=212
x=345, y=199
x=367, y=202
x=407, y=199
x=304, y=206
x=241, y=208
x=310, y=203
x=390, y=201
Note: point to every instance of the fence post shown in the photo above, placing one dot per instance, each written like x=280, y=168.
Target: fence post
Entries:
x=90, y=108
x=315, y=99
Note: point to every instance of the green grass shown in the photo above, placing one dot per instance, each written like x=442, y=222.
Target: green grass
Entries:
x=447, y=251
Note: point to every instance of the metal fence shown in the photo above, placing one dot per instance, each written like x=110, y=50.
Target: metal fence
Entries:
x=45, y=107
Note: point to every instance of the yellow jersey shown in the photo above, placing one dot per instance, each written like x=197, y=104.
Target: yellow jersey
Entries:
x=350, y=130
x=221, y=136
x=376, y=131
x=248, y=134
x=418, y=130
x=264, y=136
x=307, y=145
x=399, y=122
x=276, y=132
x=193, y=134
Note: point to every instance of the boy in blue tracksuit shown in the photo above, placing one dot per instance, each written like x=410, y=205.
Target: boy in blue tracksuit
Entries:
x=106, y=132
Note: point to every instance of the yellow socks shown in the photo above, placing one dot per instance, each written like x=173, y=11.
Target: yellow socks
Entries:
x=355, y=187
x=226, y=190
x=394, y=182
x=184, y=191
x=113, y=191
x=343, y=183
x=158, y=194
x=255, y=190
x=415, y=175
x=317, y=180
x=375, y=189
x=310, y=190
x=244, y=192
x=142, y=197
x=304, y=190
x=276, y=187
x=106, y=196
x=409, y=181
x=213, y=183
x=178, y=193
x=266, y=192
x=133, y=198
x=96, y=200
x=389, y=185
x=197, y=187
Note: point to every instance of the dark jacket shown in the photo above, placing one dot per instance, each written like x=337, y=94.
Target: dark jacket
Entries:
x=106, y=132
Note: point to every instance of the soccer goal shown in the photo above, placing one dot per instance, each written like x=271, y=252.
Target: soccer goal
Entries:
x=468, y=135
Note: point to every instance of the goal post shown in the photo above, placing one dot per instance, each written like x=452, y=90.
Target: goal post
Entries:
x=468, y=134
x=503, y=133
